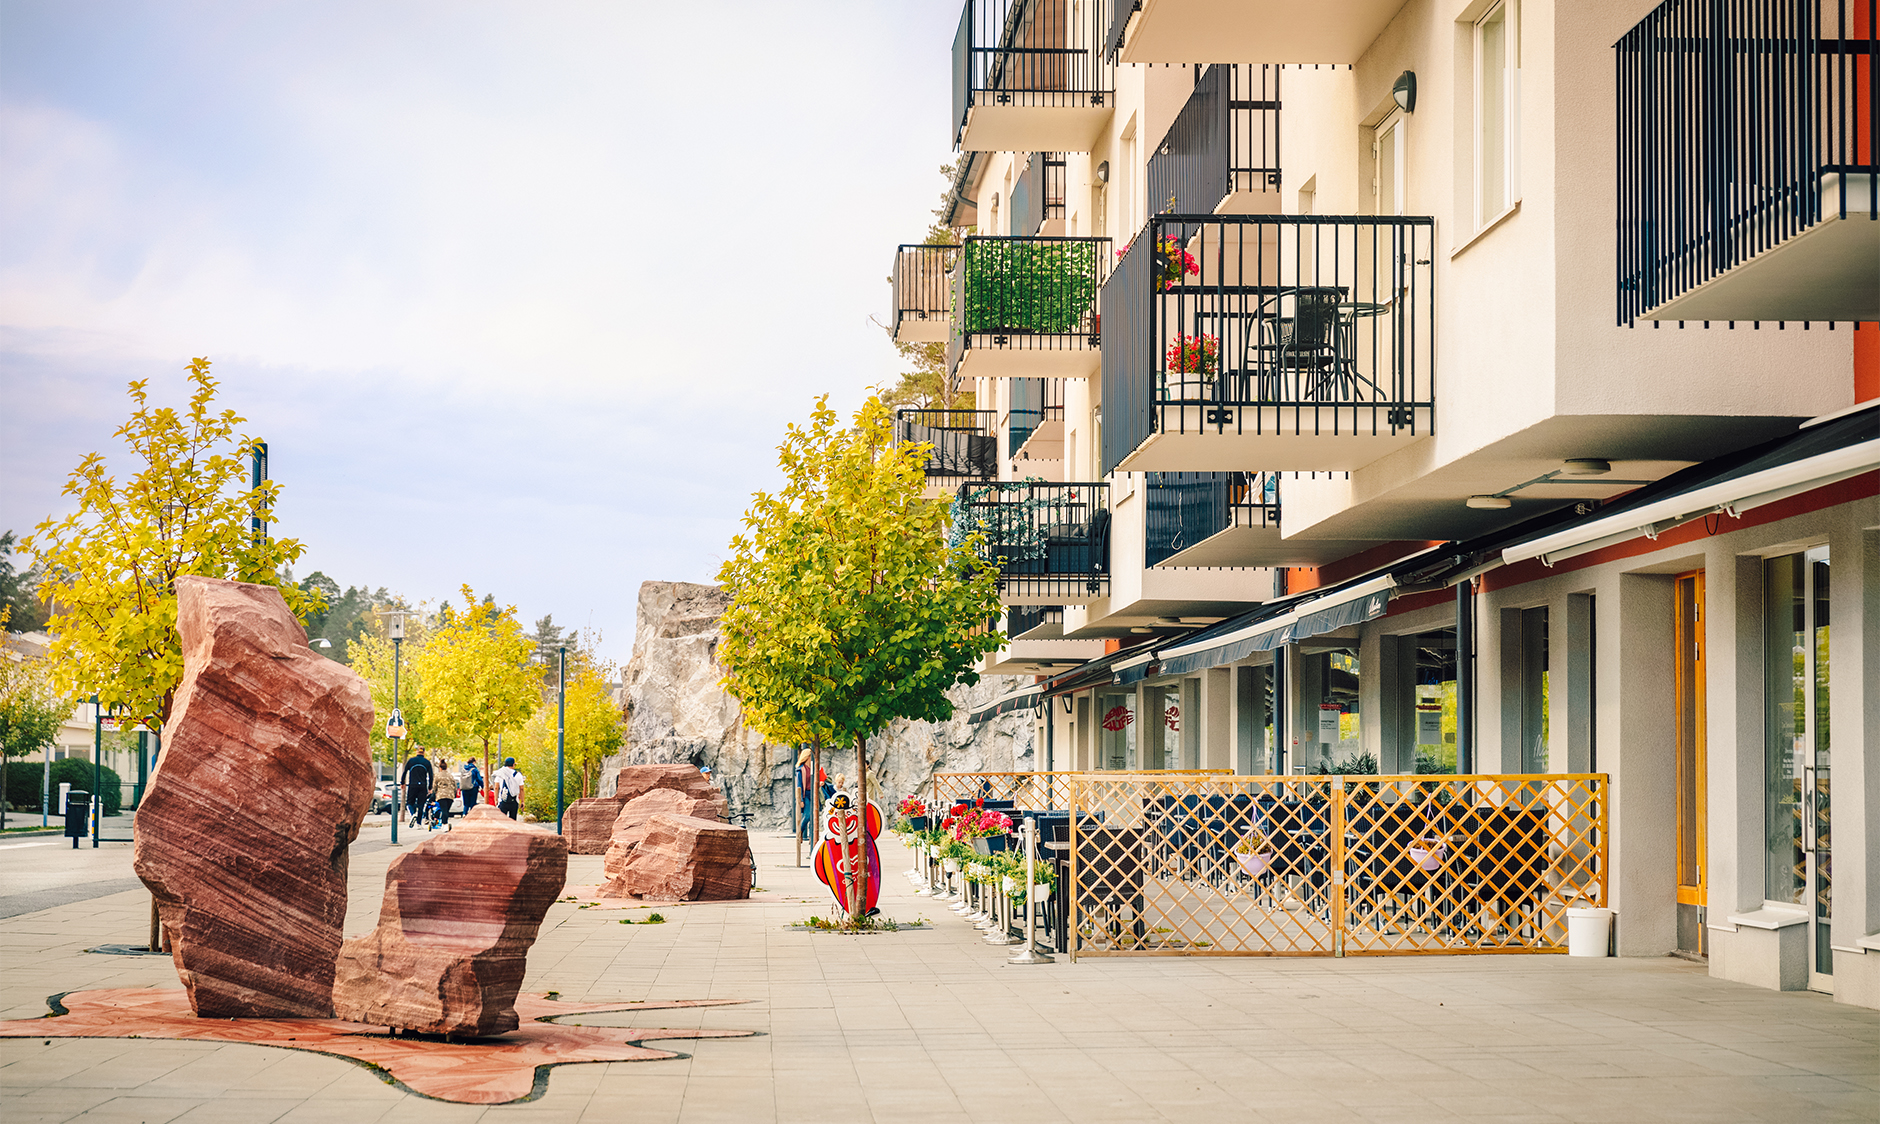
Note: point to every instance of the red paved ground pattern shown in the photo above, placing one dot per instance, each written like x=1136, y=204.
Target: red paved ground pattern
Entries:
x=510, y=1067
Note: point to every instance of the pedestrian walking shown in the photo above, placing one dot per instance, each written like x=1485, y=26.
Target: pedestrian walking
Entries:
x=471, y=784
x=417, y=779
x=508, y=785
x=446, y=792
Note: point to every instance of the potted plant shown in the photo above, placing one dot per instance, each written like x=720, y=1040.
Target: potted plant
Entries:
x=913, y=813
x=1172, y=262
x=1254, y=852
x=1195, y=355
x=1428, y=853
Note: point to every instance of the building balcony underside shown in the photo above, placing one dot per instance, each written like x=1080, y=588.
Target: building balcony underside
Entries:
x=989, y=356
x=1254, y=441
x=1260, y=546
x=1105, y=620
x=1039, y=657
x=1280, y=31
x=1829, y=271
x=915, y=327
x=1035, y=121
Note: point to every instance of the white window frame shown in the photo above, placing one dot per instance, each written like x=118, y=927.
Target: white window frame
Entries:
x=1508, y=62
x=1393, y=125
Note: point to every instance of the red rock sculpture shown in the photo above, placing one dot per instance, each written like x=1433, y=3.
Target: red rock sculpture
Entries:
x=588, y=824
x=688, y=859
x=461, y=910
x=631, y=825
x=265, y=775
x=637, y=780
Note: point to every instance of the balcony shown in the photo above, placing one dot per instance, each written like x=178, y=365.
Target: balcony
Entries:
x=1038, y=196
x=1221, y=156
x=1035, y=644
x=922, y=297
x=1025, y=307
x=1748, y=178
x=1035, y=422
x=1298, y=343
x=965, y=445
x=1050, y=541
x=1270, y=31
x=1030, y=75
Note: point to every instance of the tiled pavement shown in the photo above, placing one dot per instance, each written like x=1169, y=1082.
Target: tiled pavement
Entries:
x=933, y=1024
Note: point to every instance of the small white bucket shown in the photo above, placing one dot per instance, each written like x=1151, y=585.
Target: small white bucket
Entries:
x=1589, y=931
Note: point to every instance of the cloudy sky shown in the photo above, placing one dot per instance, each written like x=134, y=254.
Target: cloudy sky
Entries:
x=520, y=294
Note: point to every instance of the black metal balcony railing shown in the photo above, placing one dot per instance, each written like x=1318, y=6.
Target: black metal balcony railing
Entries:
x=1020, y=619
x=1034, y=402
x=1224, y=142
x=1029, y=52
x=1184, y=508
x=921, y=293
x=1737, y=119
x=1038, y=196
x=964, y=442
x=1048, y=540
x=1120, y=11
x=1299, y=325
x=1026, y=293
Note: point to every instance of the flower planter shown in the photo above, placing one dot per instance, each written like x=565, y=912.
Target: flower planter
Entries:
x=1430, y=856
x=951, y=866
x=1006, y=884
x=1254, y=864
x=987, y=844
x=917, y=823
x=1041, y=892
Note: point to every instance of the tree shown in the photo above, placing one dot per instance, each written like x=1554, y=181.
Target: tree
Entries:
x=111, y=566
x=19, y=591
x=547, y=640
x=346, y=613
x=370, y=655
x=849, y=607
x=31, y=709
x=474, y=666
x=594, y=731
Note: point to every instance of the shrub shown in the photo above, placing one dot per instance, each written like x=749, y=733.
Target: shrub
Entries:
x=24, y=775
x=1024, y=286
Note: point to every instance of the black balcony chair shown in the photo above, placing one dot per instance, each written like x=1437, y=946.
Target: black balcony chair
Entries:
x=1300, y=357
x=1110, y=899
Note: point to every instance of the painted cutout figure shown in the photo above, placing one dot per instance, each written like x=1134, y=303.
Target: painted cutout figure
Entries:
x=837, y=853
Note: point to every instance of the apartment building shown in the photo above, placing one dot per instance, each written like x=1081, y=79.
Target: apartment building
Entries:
x=1445, y=388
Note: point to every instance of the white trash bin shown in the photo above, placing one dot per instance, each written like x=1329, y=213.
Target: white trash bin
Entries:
x=1589, y=931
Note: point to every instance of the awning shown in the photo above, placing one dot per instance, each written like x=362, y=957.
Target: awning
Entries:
x=1311, y=616
x=1819, y=454
x=1022, y=699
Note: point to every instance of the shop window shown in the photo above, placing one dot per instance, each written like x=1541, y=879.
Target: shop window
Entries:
x=1434, y=713
x=1116, y=733
x=1329, y=682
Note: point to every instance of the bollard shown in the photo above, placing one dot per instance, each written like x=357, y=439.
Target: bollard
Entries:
x=1030, y=954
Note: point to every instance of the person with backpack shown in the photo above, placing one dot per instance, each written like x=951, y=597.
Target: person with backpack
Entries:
x=417, y=781
x=471, y=783
x=508, y=784
x=445, y=793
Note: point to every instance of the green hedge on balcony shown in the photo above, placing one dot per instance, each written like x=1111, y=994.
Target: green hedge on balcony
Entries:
x=1018, y=285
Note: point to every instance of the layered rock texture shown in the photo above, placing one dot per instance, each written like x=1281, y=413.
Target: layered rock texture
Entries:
x=688, y=859
x=265, y=775
x=636, y=816
x=589, y=822
x=677, y=712
x=461, y=910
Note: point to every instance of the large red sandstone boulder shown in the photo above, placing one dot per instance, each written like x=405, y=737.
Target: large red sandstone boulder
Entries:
x=461, y=911
x=637, y=780
x=636, y=817
x=588, y=824
x=265, y=775
x=689, y=859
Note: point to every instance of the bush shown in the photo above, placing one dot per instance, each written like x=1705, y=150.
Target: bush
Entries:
x=1025, y=286
x=25, y=773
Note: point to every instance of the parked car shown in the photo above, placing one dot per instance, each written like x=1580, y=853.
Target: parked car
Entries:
x=382, y=797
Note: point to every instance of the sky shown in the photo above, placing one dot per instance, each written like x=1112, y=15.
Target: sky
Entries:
x=520, y=295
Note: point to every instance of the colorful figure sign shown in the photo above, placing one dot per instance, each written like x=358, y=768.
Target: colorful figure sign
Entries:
x=839, y=848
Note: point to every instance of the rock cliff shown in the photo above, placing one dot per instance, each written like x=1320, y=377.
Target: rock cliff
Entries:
x=677, y=712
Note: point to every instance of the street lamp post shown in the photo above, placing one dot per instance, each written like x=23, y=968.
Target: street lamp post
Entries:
x=395, y=725
x=561, y=730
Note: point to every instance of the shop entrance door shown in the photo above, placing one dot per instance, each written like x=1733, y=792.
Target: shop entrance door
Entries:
x=1796, y=810
x=1689, y=642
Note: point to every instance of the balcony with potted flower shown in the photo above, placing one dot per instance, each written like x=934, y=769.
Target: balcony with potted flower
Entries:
x=1026, y=307
x=1298, y=343
x=1031, y=75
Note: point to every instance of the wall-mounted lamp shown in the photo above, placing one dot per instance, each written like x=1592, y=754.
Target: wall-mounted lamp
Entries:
x=1404, y=90
x=1103, y=172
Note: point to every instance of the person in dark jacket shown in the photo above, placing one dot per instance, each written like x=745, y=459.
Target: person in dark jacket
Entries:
x=472, y=783
x=417, y=781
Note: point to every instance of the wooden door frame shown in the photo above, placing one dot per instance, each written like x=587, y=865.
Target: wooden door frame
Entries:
x=1691, y=680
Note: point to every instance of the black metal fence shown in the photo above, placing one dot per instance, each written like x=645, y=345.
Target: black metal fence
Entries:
x=1049, y=540
x=1224, y=142
x=1034, y=402
x=1020, y=619
x=1741, y=123
x=1038, y=194
x=922, y=298
x=1120, y=11
x=1026, y=293
x=1301, y=325
x=964, y=442
x=1045, y=53
x=1184, y=508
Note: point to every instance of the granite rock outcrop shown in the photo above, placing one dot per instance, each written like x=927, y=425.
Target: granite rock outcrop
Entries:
x=265, y=775
x=461, y=911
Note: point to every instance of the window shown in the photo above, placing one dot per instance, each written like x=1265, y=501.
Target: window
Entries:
x=1497, y=113
x=1387, y=163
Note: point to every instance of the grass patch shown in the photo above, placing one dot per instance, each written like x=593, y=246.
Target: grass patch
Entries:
x=846, y=924
x=649, y=919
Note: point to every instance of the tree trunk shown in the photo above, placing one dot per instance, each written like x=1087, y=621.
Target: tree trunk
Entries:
x=858, y=897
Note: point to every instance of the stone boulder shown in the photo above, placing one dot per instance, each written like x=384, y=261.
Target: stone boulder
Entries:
x=689, y=859
x=461, y=911
x=588, y=824
x=631, y=825
x=637, y=780
x=265, y=775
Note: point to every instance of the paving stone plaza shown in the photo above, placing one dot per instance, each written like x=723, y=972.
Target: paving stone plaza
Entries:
x=933, y=1024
